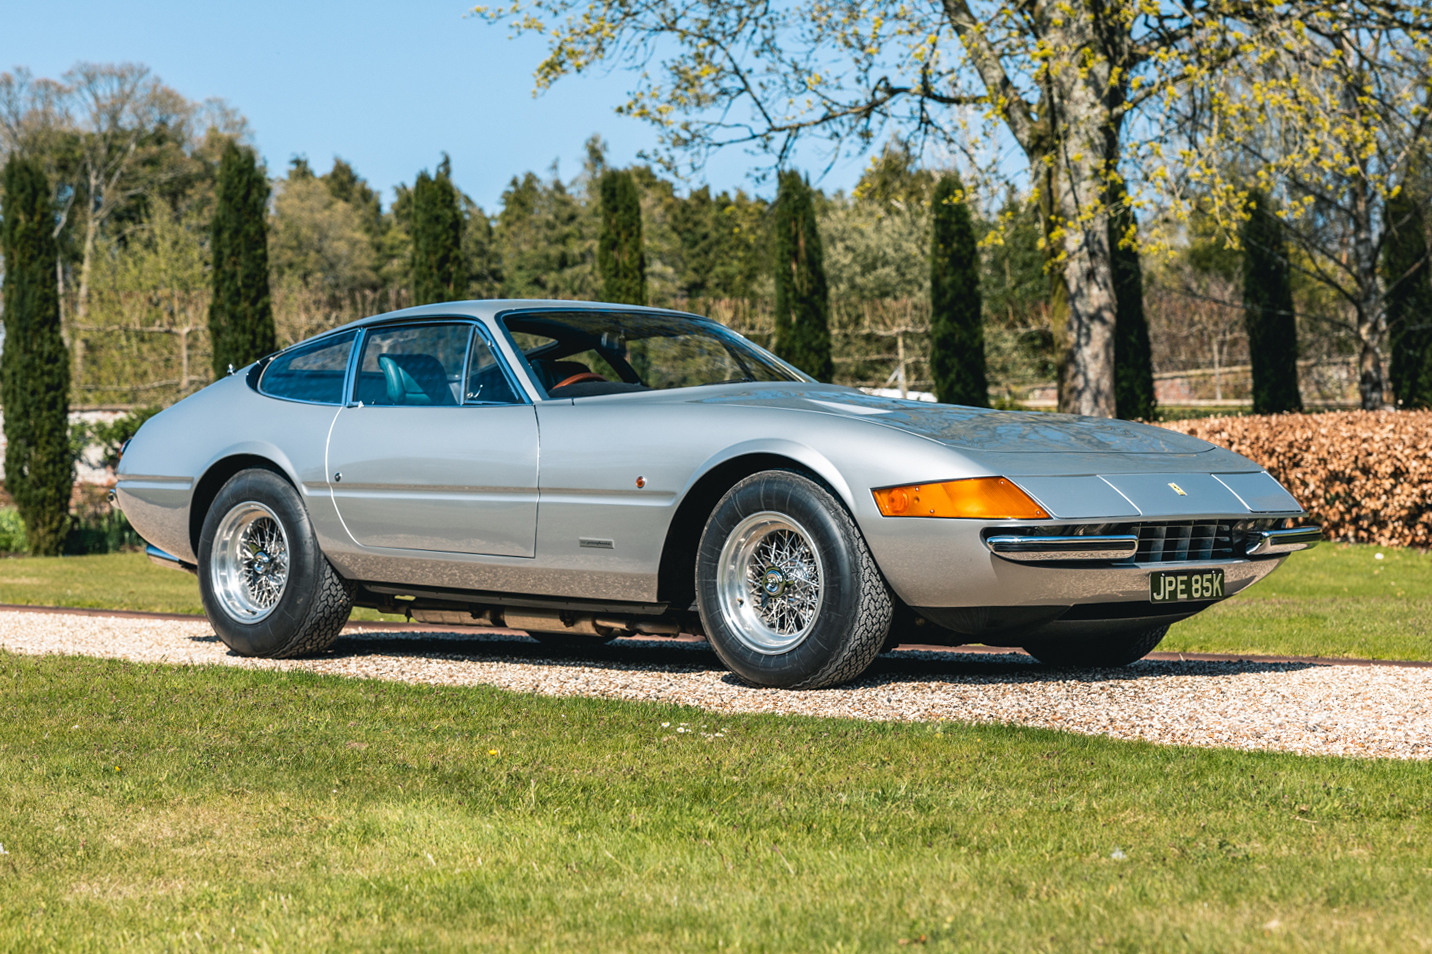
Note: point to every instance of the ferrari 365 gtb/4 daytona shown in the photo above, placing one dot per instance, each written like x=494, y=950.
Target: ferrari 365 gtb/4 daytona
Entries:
x=585, y=471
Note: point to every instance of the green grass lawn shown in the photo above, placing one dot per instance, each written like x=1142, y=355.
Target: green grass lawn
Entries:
x=1333, y=600
x=123, y=581
x=150, y=807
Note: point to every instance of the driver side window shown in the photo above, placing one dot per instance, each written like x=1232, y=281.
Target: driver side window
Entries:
x=414, y=366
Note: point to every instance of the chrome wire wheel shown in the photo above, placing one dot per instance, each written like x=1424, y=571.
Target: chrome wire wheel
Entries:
x=249, y=564
x=770, y=582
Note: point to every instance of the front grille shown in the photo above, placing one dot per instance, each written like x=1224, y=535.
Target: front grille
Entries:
x=1175, y=542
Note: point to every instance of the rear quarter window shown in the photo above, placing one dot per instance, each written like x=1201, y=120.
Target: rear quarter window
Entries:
x=311, y=372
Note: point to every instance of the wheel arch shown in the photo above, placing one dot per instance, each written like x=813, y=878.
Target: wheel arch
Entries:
x=218, y=473
x=676, y=582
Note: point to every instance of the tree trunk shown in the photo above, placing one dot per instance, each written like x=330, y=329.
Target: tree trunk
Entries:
x=86, y=261
x=1071, y=141
x=1371, y=314
x=1089, y=326
x=1082, y=230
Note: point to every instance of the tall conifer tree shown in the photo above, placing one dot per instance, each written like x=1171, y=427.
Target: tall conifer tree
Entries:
x=1405, y=269
x=241, y=325
x=35, y=366
x=1133, y=355
x=439, y=270
x=802, y=297
x=957, y=354
x=621, y=261
x=1268, y=312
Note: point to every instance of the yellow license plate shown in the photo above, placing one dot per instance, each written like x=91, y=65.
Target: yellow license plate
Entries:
x=1167, y=586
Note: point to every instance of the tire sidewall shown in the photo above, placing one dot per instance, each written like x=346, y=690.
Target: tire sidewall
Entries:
x=273, y=634
x=831, y=531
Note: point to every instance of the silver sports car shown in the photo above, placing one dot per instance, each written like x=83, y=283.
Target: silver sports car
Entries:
x=585, y=471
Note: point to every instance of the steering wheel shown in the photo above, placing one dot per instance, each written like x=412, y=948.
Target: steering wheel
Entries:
x=578, y=379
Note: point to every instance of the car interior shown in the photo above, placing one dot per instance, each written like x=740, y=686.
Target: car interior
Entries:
x=570, y=355
x=569, y=362
x=586, y=354
x=415, y=379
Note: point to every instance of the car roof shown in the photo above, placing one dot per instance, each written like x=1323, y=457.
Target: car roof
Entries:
x=488, y=309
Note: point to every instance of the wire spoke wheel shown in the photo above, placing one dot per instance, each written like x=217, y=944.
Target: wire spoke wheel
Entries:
x=250, y=561
x=771, y=582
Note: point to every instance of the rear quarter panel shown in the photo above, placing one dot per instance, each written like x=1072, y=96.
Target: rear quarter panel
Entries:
x=174, y=450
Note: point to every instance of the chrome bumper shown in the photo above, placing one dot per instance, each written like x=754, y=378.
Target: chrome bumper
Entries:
x=168, y=560
x=1121, y=547
x=1277, y=542
x=1050, y=549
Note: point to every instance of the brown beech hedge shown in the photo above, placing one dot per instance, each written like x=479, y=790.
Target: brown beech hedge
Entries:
x=1365, y=475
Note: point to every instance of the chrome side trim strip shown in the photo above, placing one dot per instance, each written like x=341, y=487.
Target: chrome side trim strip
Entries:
x=1275, y=542
x=168, y=560
x=1046, y=549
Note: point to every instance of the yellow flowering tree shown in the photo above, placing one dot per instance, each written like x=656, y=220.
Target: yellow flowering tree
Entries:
x=1076, y=85
x=1329, y=121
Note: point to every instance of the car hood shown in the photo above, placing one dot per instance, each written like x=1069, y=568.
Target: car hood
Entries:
x=976, y=429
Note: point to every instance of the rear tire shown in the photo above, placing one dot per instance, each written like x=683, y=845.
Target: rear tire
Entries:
x=789, y=594
x=1103, y=652
x=267, y=588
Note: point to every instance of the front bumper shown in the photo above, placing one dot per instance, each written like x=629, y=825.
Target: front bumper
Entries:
x=1116, y=548
x=935, y=563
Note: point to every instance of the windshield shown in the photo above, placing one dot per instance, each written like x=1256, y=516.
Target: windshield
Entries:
x=578, y=354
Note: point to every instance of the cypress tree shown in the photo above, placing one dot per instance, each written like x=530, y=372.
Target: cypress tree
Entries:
x=439, y=271
x=957, y=356
x=241, y=325
x=1133, y=356
x=621, y=262
x=802, y=298
x=1405, y=270
x=1268, y=312
x=35, y=365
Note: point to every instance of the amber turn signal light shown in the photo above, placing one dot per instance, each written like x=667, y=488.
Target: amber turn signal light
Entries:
x=991, y=498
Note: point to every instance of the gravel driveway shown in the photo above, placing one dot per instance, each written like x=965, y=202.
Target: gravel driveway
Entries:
x=1377, y=711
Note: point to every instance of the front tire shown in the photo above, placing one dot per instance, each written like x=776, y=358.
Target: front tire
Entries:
x=267, y=588
x=1103, y=652
x=789, y=594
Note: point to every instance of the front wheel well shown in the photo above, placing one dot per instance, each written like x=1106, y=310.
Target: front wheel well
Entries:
x=676, y=577
x=213, y=481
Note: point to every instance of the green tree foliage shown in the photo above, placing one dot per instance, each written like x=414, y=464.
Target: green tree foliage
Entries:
x=547, y=238
x=241, y=327
x=149, y=303
x=877, y=240
x=1133, y=355
x=346, y=185
x=1405, y=268
x=439, y=272
x=1268, y=311
x=895, y=180
x=957, y=350
x=722, y=247
x=35, y=364
x=621, y=260
x=480, y=252
x=320, y=241
x=802, y=298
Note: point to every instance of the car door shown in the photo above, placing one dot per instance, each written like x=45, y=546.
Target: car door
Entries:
x=436, y=450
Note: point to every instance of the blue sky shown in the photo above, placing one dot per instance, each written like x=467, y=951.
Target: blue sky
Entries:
x=387, y=86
